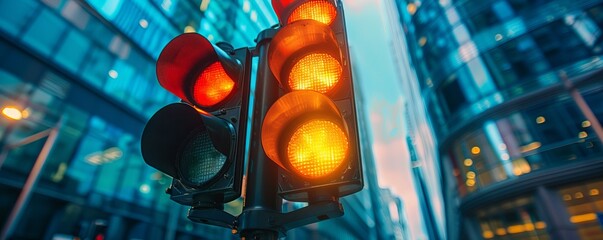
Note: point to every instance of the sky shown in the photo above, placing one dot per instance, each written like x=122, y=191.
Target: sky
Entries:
x=369, y=36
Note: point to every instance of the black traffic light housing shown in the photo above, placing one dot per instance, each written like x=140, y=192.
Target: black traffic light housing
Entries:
x=181, y=136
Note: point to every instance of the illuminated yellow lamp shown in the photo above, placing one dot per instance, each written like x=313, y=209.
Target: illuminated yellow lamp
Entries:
x=578, y=195
x=317, y=71
x=517, y=171
x=212, y=86
x=318, y=10
x=296, y=68
x=594, y=192
x=488, y=234
x=501, y=232
x=312, y=147
x=585, y=124
x=583, y=218
x=470, y=182
x=470, y=175
x=516, y=229
x=582, y=134
x=317, y=148
x=504, y=156
x=540, y=225
x=540, y=120
x=12, y=113
x=475, y=150
x=468, y=162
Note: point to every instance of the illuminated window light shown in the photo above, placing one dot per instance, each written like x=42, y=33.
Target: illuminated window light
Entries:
x=516, y=229
x=113, y=74
x=594, y=192
x=517, y=171
x=586, y=124
x=488, y=234
x=501, y=232
x=504, y=156
x=143, y=23
x=246, y=6
x=144, y=188
x=422, y=41
x=254, y=16
x=540, y=225
x=502, y=146
x=468, y=162
x=411, y=8
x=529, y=226
x=530, y=147
x=475, y=150
x=470, y=182
x=578, y=195
x=498, y=37
x=582, y=134
x=583, y=218
x=204, y=5
x=470, y=175
x=12, y=113
x=567, y=197
x=189, y=29
x=540, y=120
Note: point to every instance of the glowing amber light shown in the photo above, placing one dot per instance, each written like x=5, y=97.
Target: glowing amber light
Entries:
x=12, y=113
x=319, y=72
x=212, y=86
x=317, y=148
x=475, y=150
x=321, y=11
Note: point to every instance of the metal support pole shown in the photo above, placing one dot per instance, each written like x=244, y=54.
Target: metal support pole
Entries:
x=262, y=179
x=17, y=211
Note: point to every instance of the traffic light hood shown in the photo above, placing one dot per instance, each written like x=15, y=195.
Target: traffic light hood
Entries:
x=184, y=61
x=289, y=11
x=309, y=43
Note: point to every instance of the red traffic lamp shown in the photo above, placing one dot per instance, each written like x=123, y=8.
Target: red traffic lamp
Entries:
x=199, y=142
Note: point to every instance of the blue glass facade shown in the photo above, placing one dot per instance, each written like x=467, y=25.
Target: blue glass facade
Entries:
x=513, y=92
x=92, y=64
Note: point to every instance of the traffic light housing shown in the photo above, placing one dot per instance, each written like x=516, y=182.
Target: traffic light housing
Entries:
x=200, y=141
x=311, y=132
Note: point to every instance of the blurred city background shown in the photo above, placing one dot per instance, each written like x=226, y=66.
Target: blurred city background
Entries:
x=479, y=119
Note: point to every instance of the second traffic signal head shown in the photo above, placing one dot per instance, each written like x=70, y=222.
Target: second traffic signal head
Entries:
x=311, y=132
x=200, y=143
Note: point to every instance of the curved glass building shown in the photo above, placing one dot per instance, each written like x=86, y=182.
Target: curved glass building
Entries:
x=514, y=93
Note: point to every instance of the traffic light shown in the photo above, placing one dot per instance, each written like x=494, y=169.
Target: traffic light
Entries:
x=311, y=132
x=200, y=141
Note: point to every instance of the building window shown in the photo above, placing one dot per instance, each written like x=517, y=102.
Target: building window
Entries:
x=584, y=204
x=515, y=219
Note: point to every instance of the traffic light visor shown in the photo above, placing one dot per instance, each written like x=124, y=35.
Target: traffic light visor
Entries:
x=305, y=56
x=196, y=71
x=289, y=11
x=304, y=133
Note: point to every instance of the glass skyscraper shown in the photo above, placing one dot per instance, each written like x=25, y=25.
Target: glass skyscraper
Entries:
x=91, y=65
x=514, y=93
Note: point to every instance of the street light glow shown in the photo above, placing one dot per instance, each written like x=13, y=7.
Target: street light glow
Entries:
x=12, y=113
